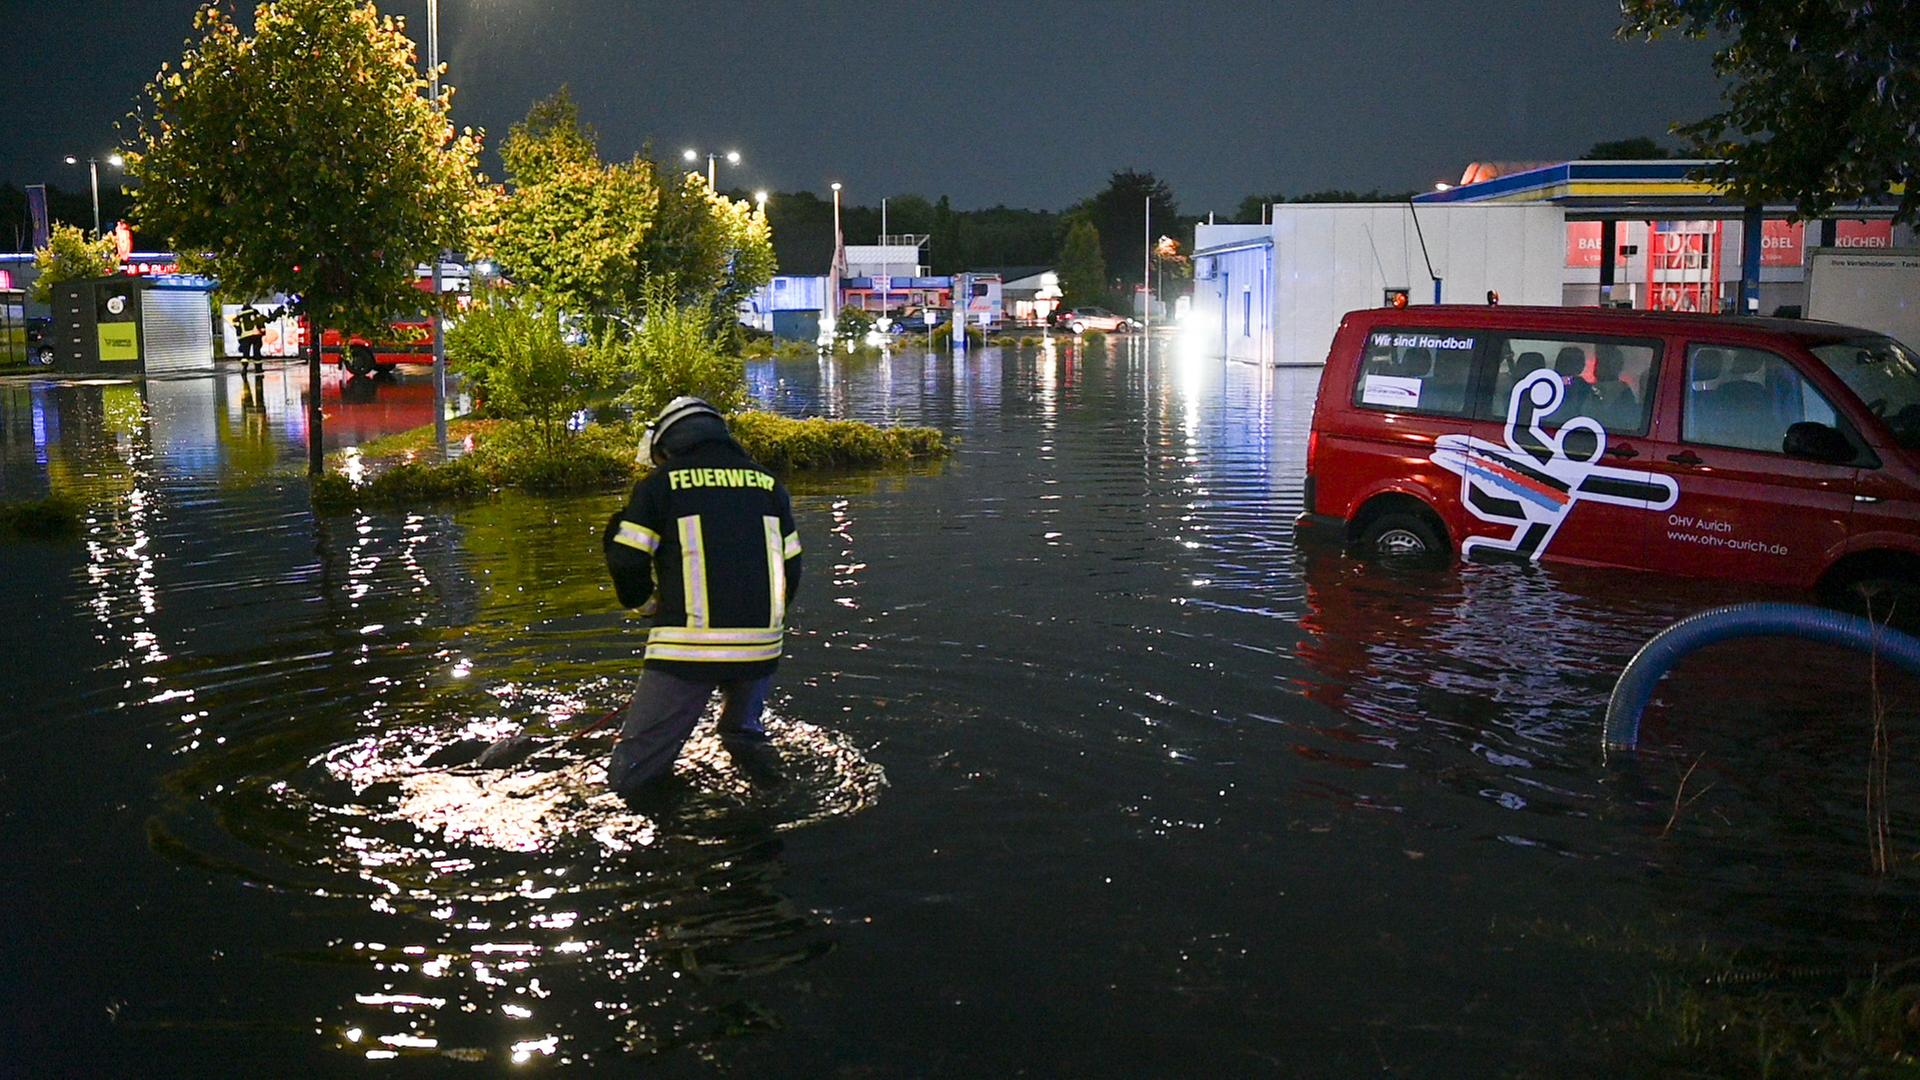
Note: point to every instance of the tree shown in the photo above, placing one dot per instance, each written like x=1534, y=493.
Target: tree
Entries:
x=589, y=237
x=1638, y=148
x=714, y=250
x=570, y=229
x=1822, y=96
x=70, y=256
x=306, y=160
x=1082, y=269
x=1118, y=215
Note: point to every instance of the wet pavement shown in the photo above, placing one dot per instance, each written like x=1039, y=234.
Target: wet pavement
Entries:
x=1080, y=764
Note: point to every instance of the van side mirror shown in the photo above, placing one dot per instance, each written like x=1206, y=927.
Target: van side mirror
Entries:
x=1817, y=442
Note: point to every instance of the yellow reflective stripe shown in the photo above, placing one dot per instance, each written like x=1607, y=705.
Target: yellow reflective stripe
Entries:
x=693, y=571
x=713, y=654
x=776, y=574
x=792, y=546
x=637, y=536
x=714, y=635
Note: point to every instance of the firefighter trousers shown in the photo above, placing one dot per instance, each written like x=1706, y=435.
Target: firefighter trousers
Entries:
x=662, y=715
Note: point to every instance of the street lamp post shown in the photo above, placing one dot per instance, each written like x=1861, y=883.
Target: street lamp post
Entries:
x=93, y=177
x=835, y=271
x=439, y=322
x=691, y=156
x=760, y=203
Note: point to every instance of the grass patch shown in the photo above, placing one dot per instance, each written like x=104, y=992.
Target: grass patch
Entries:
x=512, y=454
x=1094, y=339
x=418, y=442
x=52, y=518
x=1868, y=1027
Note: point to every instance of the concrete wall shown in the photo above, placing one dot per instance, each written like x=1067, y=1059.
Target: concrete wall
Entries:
x=1325, y=260
x=1232, y=310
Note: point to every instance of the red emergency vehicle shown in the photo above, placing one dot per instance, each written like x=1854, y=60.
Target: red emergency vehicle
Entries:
x=410, y=340
x=1772, y=451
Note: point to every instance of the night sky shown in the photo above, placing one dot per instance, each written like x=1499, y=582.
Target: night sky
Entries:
x=1028, y=104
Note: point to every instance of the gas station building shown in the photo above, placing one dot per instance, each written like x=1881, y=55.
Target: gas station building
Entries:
x=1645, y=234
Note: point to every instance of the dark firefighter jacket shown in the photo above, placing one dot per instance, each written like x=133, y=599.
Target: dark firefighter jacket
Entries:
x=709, y=537
x=251, y=322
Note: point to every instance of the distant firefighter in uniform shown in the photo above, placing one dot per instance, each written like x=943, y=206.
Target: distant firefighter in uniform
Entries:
x=250, y=326
x=707, y=546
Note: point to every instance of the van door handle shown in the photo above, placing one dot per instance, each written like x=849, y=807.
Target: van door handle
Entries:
x=1622, y=452
x=1684, y=457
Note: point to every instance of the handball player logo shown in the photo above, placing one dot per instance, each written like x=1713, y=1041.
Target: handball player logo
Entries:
x=1535, y=480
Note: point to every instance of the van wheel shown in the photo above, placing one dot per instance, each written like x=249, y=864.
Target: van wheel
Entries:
x=359, y=360
x=1402, y=537
x=1884, y=590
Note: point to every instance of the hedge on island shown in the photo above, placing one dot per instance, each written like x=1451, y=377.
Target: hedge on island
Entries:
x=398, y=470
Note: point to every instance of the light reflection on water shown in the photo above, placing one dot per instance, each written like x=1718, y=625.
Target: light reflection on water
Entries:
x=1072, y=733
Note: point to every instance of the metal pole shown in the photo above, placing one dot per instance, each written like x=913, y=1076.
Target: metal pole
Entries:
x=316, y=460
x=883, y=256
x=93, y=173
x=439, y=323
x=1146, y=270
x=710, y=186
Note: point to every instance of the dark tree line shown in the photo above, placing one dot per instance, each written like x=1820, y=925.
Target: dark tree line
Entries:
x=74, y=206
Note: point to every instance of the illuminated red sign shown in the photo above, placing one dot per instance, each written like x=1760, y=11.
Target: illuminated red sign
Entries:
x=1863, y=234
x=1782, y=243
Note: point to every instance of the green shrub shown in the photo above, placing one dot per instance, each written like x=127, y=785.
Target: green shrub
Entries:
x=1094, y=339
x=518, y=358
x=53, y=517
x=943, y=336
x=599, y=457
x=403, y=485
x=785, y=445
x=70, y=256
x=1029, y=342
x=672, y=352
x=852, y=324
x=796, y=350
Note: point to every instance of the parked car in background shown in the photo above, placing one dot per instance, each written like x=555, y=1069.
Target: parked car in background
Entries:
x=39, y=340
x=915, y=322
x=1770, y=451
x=1082, y=319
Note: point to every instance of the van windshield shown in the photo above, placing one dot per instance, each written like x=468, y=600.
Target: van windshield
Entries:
x=1885, y=376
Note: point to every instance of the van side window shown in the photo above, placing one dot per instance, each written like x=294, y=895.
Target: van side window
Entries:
x=1607, y=380
x=1746, y=399
x=1416, y=371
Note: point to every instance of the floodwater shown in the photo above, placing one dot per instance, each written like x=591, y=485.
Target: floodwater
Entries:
x=1080, y=765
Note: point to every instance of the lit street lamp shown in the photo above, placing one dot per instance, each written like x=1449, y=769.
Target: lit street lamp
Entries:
x=93, y=174
x=691, y=156
x=838, y=251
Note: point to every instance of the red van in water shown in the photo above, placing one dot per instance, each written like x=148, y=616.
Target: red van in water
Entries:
x=1774, y=451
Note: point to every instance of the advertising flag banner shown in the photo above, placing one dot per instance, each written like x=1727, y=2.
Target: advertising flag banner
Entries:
x=37, y=210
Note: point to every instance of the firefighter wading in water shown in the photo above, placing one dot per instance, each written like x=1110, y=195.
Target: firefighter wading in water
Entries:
x=707, y=546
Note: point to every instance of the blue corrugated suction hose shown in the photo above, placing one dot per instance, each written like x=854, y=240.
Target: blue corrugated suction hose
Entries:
x=1657, y=657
